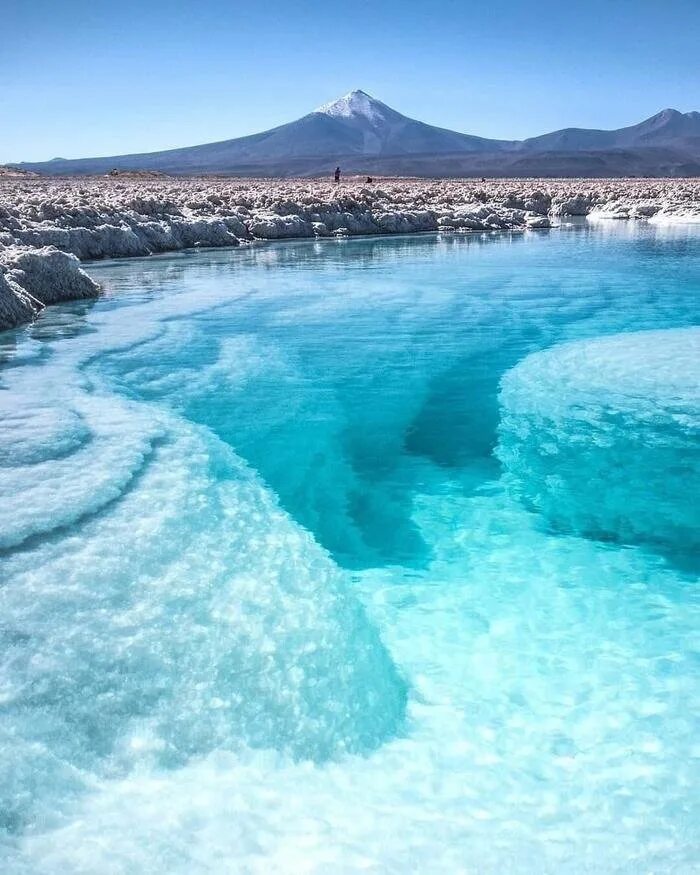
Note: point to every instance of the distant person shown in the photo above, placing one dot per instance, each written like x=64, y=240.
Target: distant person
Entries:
x=369, y=179
x=483, y=179
x=336, y=175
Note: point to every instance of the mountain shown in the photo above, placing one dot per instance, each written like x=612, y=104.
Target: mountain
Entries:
x=383, y=131
x=356, y=124
x=365, y=135
x=668, y=128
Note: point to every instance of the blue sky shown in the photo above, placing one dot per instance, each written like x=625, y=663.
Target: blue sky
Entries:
x=101, y=78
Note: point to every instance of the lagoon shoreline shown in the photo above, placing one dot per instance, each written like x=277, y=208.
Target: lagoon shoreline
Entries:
x=48, y=226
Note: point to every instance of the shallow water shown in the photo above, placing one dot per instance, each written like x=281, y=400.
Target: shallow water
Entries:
x=287, y=586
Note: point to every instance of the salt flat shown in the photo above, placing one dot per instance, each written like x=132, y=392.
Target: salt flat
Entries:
x=48, y=225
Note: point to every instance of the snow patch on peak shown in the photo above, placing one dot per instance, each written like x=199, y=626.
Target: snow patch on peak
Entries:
x=354, y=104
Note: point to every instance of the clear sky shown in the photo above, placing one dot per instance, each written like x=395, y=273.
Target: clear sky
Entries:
x=106, y=77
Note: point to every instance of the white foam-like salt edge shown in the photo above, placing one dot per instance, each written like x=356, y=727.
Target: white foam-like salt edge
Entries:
x=45, y=494
x=688, y=217
x=44, y=430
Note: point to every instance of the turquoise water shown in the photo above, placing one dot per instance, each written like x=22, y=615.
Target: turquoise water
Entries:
x=364, y=555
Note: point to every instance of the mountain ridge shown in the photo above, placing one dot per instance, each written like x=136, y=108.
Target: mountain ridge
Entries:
x=366, y=135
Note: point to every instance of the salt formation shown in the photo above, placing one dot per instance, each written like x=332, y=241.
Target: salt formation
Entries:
x=603, y=436
x=190, y=614
x=48, y=275
x=16, y=305
x=690, y=215
x=139, y=215
x=32, y=278
x=43, y=447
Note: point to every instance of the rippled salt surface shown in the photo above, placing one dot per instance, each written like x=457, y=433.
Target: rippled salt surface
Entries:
x=288, y=586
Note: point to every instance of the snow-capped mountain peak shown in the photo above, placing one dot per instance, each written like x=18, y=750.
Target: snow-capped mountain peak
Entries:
x=356, y=104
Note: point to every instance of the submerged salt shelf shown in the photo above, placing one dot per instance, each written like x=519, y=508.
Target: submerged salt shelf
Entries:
x=271, y=603
x=603, y=436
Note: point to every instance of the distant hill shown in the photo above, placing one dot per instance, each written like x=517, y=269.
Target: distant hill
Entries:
x=13, y=172
x=364, y=135
x=668, y=128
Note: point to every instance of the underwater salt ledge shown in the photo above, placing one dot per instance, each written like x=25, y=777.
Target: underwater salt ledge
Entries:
x=602, y=436
x=190, y=614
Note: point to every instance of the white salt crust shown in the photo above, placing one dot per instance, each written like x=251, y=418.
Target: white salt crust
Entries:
x=135, y=216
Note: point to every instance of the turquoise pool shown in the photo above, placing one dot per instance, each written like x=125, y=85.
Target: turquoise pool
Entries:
x=362, y=555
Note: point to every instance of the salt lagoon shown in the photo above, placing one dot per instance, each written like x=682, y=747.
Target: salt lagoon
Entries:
x=338, y=555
